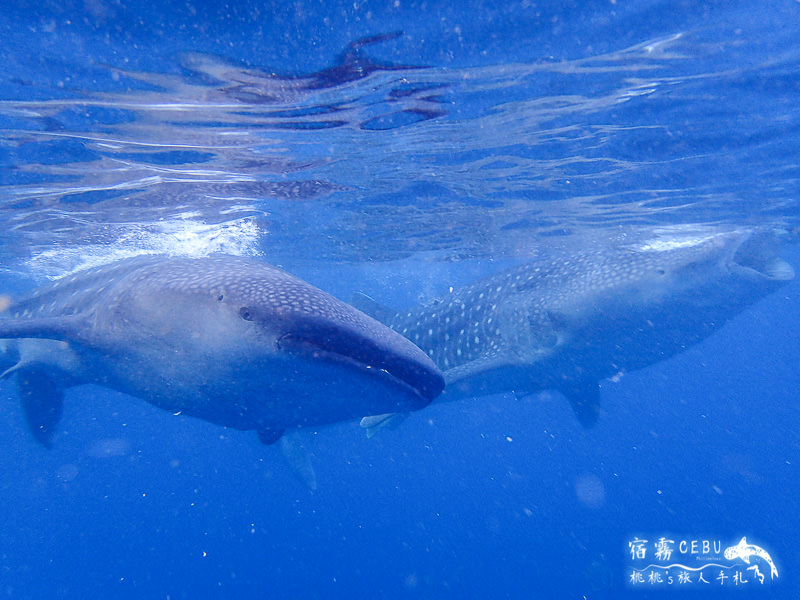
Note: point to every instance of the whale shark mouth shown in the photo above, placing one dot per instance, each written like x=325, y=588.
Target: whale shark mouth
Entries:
x=756, y=256
x=362, y=354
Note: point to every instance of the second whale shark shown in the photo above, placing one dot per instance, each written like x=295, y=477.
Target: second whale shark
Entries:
x=570, y=321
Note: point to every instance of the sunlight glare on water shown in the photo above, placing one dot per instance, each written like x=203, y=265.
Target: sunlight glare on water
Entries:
x=388, y=161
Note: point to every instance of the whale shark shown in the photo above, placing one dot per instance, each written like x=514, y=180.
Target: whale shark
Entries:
x=565, y=322
x=230, y=340
x=745, y=552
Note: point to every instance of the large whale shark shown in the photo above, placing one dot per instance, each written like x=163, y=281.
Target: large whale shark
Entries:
x=230, y=340
x=567, y=322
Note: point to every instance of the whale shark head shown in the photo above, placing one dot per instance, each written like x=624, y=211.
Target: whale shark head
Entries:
x=286, y=320
x=701, y=266
x=748, y=251
x=754, y=256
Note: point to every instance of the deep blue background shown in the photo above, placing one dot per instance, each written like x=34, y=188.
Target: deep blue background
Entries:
x=470, y=500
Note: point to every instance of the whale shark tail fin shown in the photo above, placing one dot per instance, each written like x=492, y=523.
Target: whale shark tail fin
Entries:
x=42, y=402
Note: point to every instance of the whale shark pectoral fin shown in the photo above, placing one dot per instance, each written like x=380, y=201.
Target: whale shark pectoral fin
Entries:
x=584, y=397
x=56, y=328
x=9, y=371
x=42, y=401
x=9, y=356
x=484, y=363
x=294, y=452
x=22, y=365
x=47, y=356
x=376, y=310
x=298, y=458
x=375, y=423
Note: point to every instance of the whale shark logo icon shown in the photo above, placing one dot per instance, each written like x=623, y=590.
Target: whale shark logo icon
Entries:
x=745, y=551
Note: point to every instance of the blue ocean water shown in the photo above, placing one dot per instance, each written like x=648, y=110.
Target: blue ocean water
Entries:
x=397, y=149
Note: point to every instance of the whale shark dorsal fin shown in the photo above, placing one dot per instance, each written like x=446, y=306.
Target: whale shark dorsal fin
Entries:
x=42, y=401
x=298, y=458
x=376, y=310
x=373, y=424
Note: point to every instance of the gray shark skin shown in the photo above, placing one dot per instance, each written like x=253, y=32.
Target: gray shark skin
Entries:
x=230, y=340
x=567, y=324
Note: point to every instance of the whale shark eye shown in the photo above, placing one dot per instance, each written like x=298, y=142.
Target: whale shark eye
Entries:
x=245, y=313
x=220, y=298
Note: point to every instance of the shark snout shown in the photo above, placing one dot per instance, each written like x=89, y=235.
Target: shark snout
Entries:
x=368, y=346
